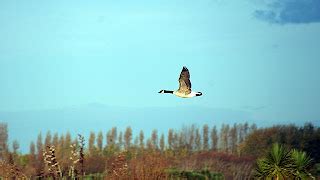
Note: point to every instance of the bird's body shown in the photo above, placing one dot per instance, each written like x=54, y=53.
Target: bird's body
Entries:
x=184, y=90
x=183, y=95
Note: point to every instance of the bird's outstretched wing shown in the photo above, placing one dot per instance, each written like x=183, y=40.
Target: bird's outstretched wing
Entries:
x=184, y=81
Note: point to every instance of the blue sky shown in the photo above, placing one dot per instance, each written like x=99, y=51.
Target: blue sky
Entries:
x=243, y=55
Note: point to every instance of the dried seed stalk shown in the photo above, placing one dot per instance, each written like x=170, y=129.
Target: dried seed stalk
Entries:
x=81, y=154
x=51, y=162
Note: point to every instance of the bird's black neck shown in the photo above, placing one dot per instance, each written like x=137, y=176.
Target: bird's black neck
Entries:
x=166, y=91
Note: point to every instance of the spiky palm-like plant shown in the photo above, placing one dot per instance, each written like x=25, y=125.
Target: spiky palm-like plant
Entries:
x=301, y=163
x=277, y=164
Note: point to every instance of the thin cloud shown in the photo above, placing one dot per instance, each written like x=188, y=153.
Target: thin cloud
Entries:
x=290, y=12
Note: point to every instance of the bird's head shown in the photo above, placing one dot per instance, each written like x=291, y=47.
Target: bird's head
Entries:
x=199, y=94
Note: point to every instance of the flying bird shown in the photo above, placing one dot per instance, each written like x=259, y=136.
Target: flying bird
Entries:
x=184, y=90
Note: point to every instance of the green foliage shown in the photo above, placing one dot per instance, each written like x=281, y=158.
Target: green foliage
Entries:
x=23, y=160
x=317, y=169
x=194, y=175
x=281, y=163
x=97, y=176
x=277, y=163
x=301, y=163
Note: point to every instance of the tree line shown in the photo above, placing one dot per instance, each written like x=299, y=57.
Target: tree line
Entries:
x=231, y=150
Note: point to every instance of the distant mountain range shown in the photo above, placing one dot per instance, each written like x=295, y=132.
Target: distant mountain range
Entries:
x=26, y=125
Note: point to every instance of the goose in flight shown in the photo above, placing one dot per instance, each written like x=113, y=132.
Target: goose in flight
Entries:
x=184, y=90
